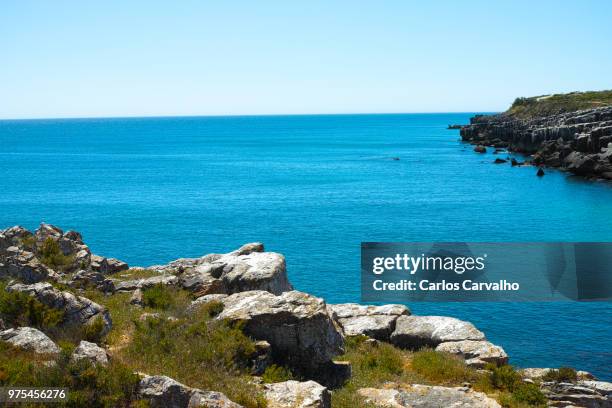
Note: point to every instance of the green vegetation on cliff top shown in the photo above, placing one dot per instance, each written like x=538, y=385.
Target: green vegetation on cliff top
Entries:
x=545, y=105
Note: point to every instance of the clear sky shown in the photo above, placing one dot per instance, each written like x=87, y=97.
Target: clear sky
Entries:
x=148, y=58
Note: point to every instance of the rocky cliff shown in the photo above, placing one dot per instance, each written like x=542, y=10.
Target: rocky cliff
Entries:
x=229, y=330
x=577, y=141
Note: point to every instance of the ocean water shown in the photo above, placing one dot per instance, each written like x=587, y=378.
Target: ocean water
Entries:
x=311, y=187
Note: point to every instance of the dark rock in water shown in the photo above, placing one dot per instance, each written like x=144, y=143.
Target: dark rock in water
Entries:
x=454, y=127
x=540, y=172
x=578, y=141
x=480, y=149
x=395, y=158
x=499, y=161
x=515, y=162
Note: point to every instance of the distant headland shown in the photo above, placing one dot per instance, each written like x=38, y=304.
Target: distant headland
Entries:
x=572, y=132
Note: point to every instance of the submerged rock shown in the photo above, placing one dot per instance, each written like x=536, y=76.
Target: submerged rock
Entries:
x=296, y=324
x=30, y=339
x=377, y=322
x=424, y=396
x=419, y=331
x=480, y=149
x=295, y=394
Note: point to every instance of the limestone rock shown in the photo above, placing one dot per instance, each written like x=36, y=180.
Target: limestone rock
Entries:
x=90, y=351
x=130, y=285
x=77, y=310
x=295, y=394
x=30, y=339
x=420, y=331
x=296, y=324
x=136, y=298
x=202, y=300
x=164, y=392
x=24, y=266
x=424, y=396
x=590, y=394
x=476, y=353
x=377, y=322
x=211, y=399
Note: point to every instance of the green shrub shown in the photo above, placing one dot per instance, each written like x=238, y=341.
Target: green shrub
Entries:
x=93, y=330
x=274, y=374
x=29, y=242
x=114, y=385
x=20, y=309
x=195, y=350
x=441, y=368
x=563, y=374
x=52, y=256
x=529, y=394
x=159, y=296
x=505, y=378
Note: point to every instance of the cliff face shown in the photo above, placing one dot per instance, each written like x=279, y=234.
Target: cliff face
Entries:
x=580, y=141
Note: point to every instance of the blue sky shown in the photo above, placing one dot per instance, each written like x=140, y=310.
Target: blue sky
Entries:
x=79, y=59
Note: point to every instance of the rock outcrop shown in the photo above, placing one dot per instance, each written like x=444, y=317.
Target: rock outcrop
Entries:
x=297, y=325
x=419, y=331
x=377, y=322
x=77, y=310
x=579, y=142
x=30, y=339
x=164, y=392
x=588, y=394
x=90, y=352
x=425, y=396
x=296, y=394
x=476, y=353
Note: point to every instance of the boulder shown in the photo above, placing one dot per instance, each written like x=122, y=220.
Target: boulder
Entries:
x=107, y=266
x=296, y=394
x=202, y=300
x=420, y=331
x=86, y=278
x=211, y=399
x=30, y=339
x=499, y=161
x=539, y=373
x=540, y=172
x=296, y=324
x=589, y=394
x=77, y=310
x=476, y=353
x=70, y=243
x=480, y=149
x=23, y=265
x=232, y=273
x=137, y=298
x=130, y=285
x=425, y=396
x=14, y=236
x=377, y=322
x=249, y=248
x=91, y=352
x=164, y=392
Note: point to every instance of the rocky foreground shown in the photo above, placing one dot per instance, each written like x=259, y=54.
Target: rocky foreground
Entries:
x=579, y=142
x=290, y=328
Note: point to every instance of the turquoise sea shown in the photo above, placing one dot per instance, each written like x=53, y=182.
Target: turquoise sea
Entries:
x=149, y=190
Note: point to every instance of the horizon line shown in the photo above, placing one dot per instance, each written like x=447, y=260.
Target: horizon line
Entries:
x=239, y=115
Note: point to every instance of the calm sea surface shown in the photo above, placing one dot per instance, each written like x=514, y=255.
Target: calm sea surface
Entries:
x=311, y=187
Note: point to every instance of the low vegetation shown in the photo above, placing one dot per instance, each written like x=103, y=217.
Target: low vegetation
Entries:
x=563, y=374
x=525, y=108
x=198, y=350
x=20, y=309
x=52, y=256
x=91, y=386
